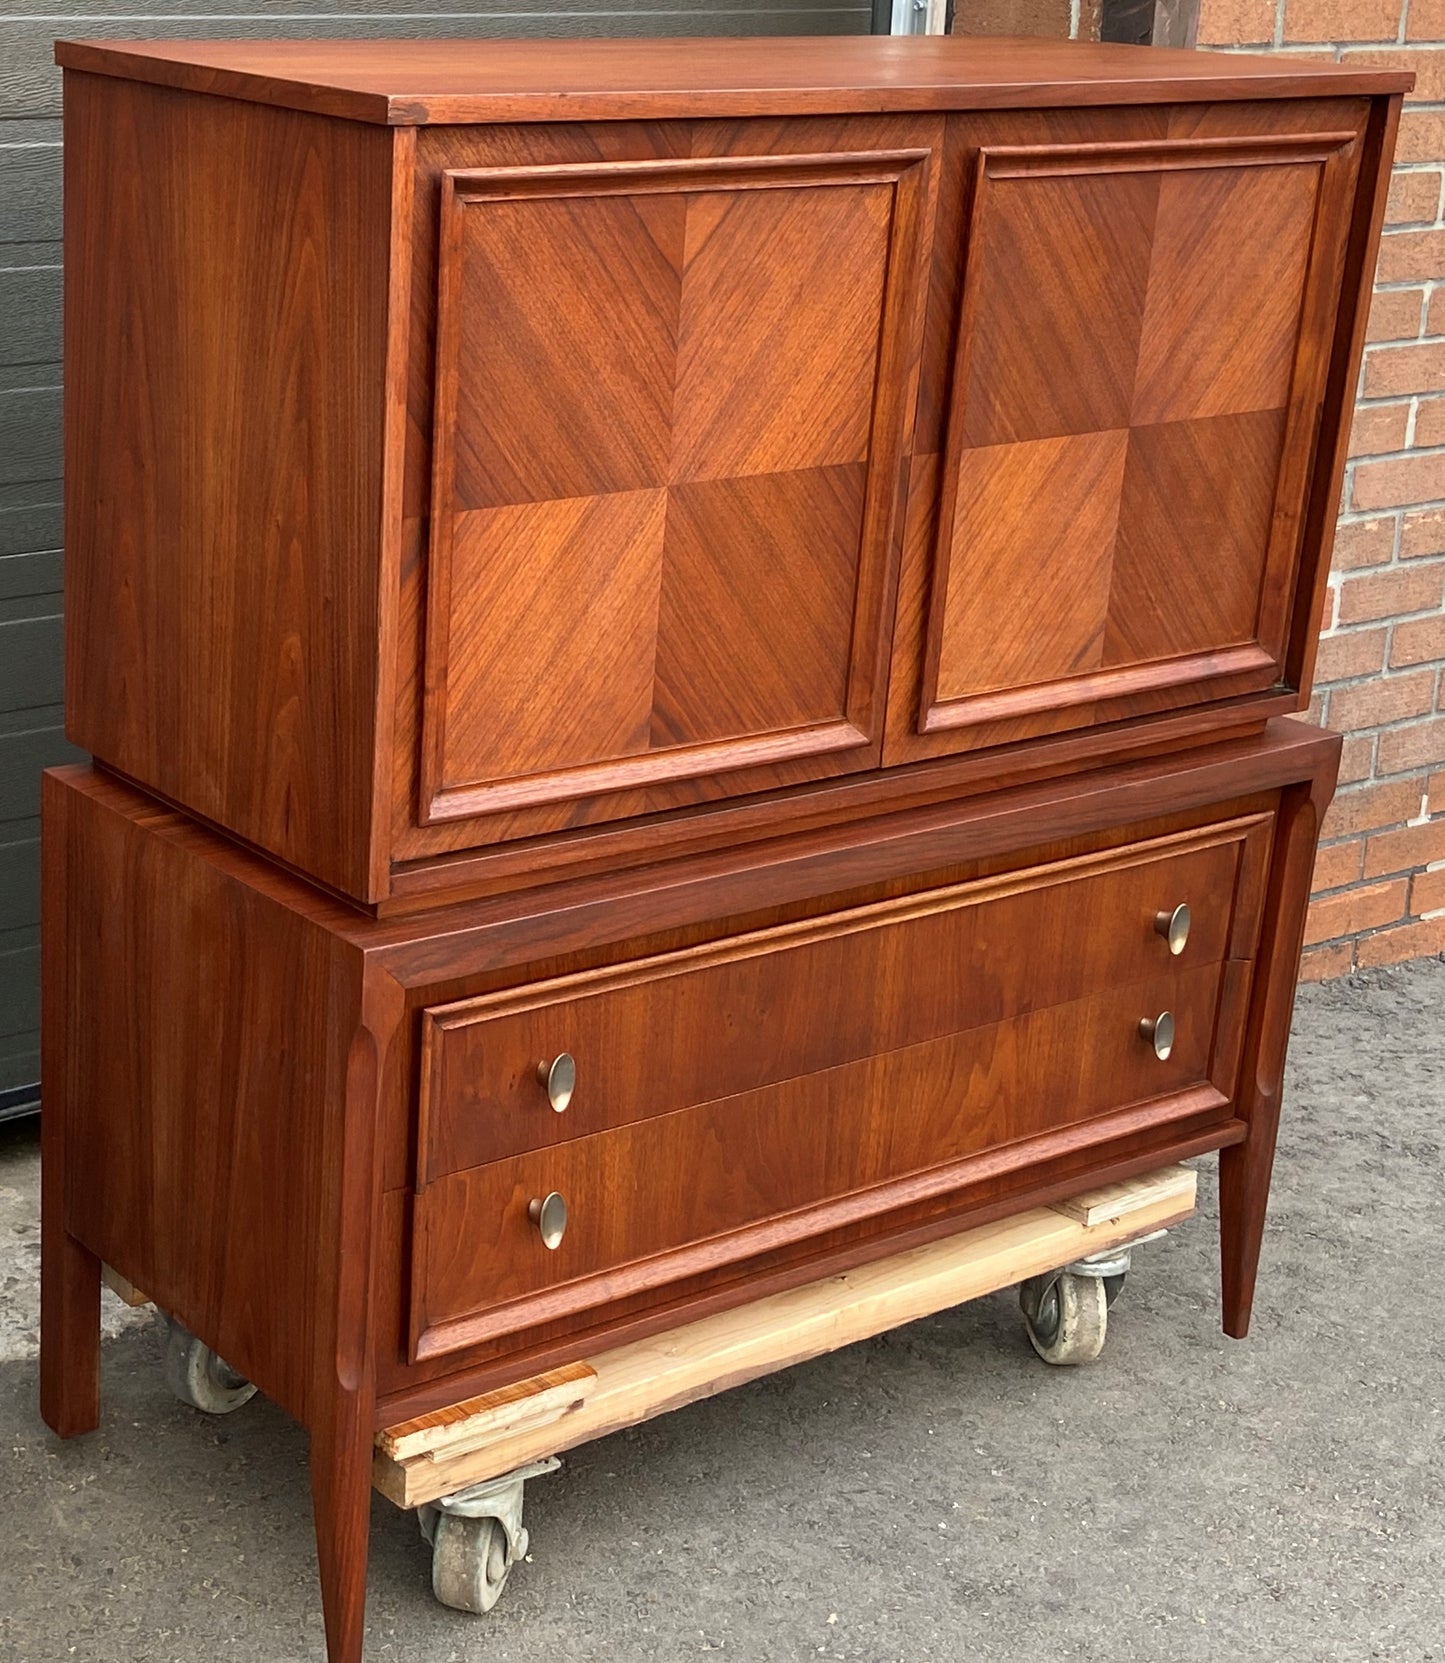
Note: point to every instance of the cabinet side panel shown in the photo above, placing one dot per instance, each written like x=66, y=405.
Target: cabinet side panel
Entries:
x=225, y=394
x=204, y=1149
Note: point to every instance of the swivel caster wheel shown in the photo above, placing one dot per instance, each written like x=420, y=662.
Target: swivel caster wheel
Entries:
x=470, y=1561
x=1067, y=1316
x=476, y=1537
x=198, y=1377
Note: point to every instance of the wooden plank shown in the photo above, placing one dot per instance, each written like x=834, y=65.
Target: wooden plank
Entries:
x=465, y=1426
x=127, y=1292
x=666, y=1371
x=1117, y=1201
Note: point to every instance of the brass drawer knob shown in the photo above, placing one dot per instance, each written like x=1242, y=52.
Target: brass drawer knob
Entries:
x=549, y=1214
x=558, y=1079
x=1158, y=1031
x=1174, y=927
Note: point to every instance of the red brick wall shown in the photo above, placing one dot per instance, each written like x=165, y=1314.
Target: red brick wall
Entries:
x=1380, y=878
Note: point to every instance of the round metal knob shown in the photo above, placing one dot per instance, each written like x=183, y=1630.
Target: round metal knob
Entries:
x=550, y=1216
x=1174, y=927
x=1158, y=1031
x=558, y=1079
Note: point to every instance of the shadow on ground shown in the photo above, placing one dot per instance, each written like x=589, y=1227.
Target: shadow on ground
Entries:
x=929, y=1496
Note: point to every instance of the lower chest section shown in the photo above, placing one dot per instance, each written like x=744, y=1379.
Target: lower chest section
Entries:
x=673, y=1129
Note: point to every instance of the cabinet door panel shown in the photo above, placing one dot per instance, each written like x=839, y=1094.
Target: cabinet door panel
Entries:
x=1146, y=323
x=668, y=416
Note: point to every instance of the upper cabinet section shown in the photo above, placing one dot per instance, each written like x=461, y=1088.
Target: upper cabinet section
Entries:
x=484, y=460
x=1146, y=322
x=670, y=406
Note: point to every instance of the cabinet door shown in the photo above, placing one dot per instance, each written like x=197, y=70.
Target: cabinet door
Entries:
x=670, y=404
x=1146, y=322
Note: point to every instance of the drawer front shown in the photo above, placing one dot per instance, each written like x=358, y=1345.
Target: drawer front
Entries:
x=655, y=1036
x=650, y=1202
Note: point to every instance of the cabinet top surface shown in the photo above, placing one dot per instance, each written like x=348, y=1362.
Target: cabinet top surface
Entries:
x=410, y=83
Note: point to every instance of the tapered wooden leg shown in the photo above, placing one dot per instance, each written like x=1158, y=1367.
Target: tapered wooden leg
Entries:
x=1245, y=1168
x=69, y=1326
x=69, y=1272
x=1244, y=1173
x=341, y=1503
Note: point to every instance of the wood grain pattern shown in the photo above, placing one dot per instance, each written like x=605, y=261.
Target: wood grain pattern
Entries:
x=1196, y=514
x=406, y=82
x=1355, y=290
x=225, y=1220
x=743, y=766
x=1164, y=296
x=1029, y=518
x=758, y=595
x=1118, y=1201
x=706, y=1023
x=1244, y=1174
x=1057, y=271
x=305, y=769
x=224, y=478
x=1229, y=255
x=783, y=1155
x=989, y=1187
x=777, y=348
x=591, y=849
x=551, y=635
x=565, y=341
x=222, y=1154
x=484, y=938
x=69, y=1271
x=719, y=340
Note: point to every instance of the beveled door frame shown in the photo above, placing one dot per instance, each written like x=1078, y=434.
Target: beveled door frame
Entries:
x=1251, y=667
x=440, y=800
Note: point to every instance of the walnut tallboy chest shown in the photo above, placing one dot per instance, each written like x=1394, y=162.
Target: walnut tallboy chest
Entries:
x=722, y=589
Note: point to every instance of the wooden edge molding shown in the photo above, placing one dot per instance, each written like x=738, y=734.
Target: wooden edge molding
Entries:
x=664, y=174
x=1165, y=155
x=666, y=1371
x=462, y=1013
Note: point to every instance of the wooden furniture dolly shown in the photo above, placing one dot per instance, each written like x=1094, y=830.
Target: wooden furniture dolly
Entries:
x=692, y=652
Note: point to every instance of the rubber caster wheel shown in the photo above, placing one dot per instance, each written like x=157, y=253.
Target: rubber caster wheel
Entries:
x=198, y=1377
x=470, y=1560
x=1067, y=1317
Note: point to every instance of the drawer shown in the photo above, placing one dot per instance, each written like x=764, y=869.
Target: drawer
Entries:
x=655, y=1200
x=656, y=1035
